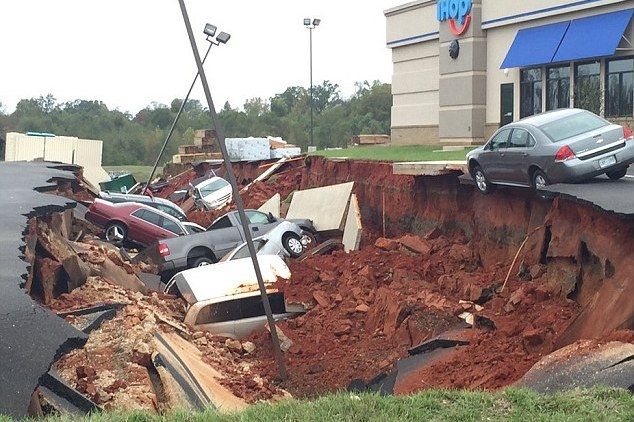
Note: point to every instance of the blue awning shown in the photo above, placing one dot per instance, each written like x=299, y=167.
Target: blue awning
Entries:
x=535, y=46
x=594, y=36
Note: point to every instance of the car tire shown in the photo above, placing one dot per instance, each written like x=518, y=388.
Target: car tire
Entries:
x=539, y=179
x=481, y=181
x=293, y=245
x=202, y=261
x=617, y=174
x=116, y=232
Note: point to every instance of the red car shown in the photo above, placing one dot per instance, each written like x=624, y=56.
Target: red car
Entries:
x=131, y=221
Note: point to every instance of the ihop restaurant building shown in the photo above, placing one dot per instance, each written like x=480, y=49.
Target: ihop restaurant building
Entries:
x=463, y=68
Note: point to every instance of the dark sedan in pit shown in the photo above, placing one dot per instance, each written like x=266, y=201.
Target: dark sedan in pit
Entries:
x=561, y=146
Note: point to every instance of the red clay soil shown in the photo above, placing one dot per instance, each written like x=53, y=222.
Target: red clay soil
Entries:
x=369, y=307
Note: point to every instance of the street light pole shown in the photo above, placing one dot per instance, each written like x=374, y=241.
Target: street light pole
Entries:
x=311, y=24
x=312, y=126
x=279, y=358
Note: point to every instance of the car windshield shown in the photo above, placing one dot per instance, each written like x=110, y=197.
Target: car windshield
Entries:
x=573, y=125
x=213, y=187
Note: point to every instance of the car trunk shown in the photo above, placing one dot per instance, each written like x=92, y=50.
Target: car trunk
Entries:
x=598, y=140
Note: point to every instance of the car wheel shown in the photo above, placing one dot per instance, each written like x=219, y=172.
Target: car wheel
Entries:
x=116, y=232
x=540, y=180
x=481, y=181
x=617, y=174
x=202, y=261
x=293, y=244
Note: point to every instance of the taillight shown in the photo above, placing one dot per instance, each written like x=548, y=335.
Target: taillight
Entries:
x=627, y=133
x=163, y=249
x=564, y=154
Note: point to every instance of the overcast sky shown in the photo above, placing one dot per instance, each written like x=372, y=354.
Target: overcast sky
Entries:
x=128, y=53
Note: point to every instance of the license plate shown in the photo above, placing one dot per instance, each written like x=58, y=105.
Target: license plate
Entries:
x=607, y=161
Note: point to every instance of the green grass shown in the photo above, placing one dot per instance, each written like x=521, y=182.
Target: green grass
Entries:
x=140, y=173
x=599, y=404
x=396, y=153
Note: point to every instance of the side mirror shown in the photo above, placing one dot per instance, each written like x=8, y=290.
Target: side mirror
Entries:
x=272, y=219
x=196, y=194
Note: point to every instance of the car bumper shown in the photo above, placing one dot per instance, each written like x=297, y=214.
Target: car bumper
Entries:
x=576, y=169
x=178, y=264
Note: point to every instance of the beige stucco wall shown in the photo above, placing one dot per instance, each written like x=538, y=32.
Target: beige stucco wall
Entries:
x=419, y=18
x=496, y=9
x=415, y=79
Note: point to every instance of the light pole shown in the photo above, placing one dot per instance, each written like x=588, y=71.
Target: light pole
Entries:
x=311, y=24
x=279, y=358
x=222, y=38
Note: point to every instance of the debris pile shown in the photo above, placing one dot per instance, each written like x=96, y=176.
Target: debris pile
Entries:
x=132, y=330
x=368, y=308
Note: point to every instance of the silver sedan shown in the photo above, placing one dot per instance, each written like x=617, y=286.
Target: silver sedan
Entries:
x=561, y=146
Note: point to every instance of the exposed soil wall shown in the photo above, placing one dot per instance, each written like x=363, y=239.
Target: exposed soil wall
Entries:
x=588, y=253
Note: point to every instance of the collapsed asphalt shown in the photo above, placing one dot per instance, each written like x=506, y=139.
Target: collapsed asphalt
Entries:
x=32, y=337
x=610, y=195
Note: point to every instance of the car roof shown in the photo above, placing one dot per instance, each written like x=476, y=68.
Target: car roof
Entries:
x=549, y=116
x=137, y=205
x=129, y=197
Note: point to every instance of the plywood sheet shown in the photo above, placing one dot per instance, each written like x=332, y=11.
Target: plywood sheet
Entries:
x=272, y=205
x=353, y=227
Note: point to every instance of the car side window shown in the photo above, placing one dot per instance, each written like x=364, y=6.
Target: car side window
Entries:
x=139, y=213
x=171, y=226
x=500, y=140
x=152, y=218
x=168, y=210
x=223, y=223
x=256, y=217
x=519, y=139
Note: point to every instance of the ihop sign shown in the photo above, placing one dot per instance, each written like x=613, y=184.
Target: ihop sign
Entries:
x=457, y=13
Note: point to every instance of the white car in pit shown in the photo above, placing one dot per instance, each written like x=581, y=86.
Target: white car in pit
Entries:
x=224, y=298
x=212, y=193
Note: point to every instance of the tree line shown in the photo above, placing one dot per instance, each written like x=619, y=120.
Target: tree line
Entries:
x=135, y=139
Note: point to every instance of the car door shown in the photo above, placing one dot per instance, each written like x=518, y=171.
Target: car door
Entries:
x=137, y=227
x=225, y=236
x=516, y=159
x=490, y=159
x=259, y=222
x=154, y=230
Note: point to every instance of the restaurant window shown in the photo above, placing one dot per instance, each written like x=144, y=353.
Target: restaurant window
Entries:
x=530, y=92
x=588, y=87
x=619, y=97
x=558, y=87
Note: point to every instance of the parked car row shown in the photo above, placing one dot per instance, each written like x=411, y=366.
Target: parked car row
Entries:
x=561, y=146
x=175, y=244
x=226, y=234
